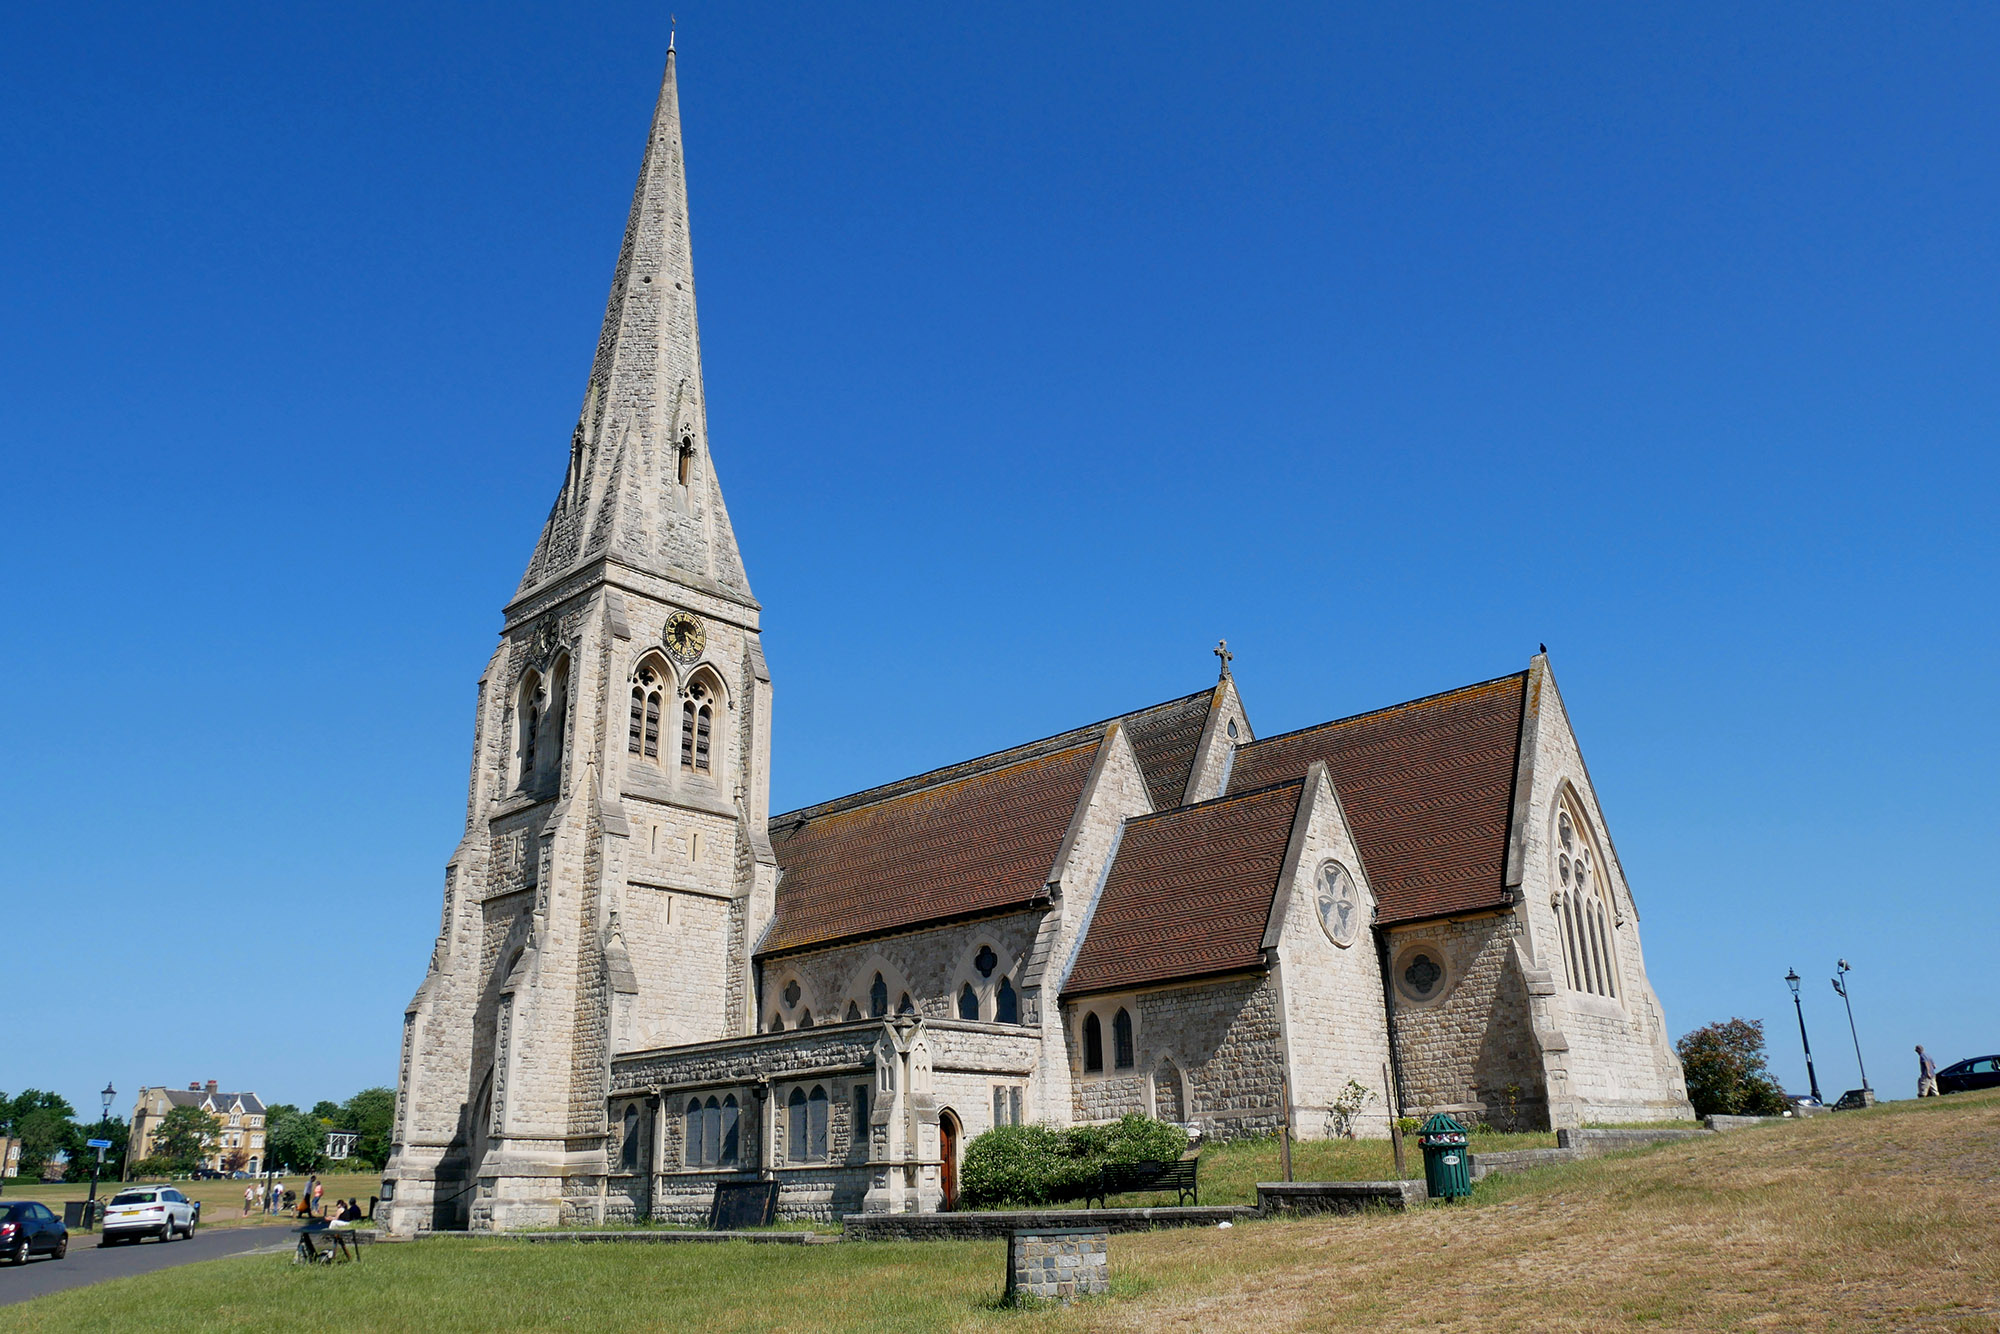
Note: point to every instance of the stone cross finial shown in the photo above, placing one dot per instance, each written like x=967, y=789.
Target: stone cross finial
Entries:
x=1221, y=650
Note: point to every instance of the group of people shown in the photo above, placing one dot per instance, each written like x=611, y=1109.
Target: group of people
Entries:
x=309, y=1203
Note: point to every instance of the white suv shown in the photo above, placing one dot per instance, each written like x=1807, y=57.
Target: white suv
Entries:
x=148, y=1211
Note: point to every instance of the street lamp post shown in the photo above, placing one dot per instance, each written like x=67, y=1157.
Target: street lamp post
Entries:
x=1840, y=985
x=104, y=1123
x=1792, y=980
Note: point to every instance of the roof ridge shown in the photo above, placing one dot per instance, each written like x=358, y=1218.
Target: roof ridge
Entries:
x=842, y=806
x=1386, y=708
x=994, y=759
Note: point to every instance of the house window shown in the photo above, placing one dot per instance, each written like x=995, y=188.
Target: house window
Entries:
x=968, y=1002
x=1093, y=1043
x=1121, y=1040
x=1006, y=1005
x=878, y=998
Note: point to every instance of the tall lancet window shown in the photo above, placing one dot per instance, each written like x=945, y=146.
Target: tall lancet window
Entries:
x=697, y=727
x=648, y=692
x=527, y=722
x=686, y=457
x=1583, y=908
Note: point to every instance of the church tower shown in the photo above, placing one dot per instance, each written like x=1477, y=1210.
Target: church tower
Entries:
x=615, y=872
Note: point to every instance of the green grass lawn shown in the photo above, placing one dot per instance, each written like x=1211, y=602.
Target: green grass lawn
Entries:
x=221, y=1201
x=1870, y=1220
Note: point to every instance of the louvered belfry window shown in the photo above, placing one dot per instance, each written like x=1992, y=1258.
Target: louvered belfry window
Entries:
x=644, y=737
x=697, y=724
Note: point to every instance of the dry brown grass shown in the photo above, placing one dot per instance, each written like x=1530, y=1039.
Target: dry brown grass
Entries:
x=1864, y=1220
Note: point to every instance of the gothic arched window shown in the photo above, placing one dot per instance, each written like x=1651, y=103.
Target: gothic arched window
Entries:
x=816, y=1123
x=1006, y=1005
x=1583, y=908
x=795, y=1117
x=697, y=726
x=628, y=1152
x=906, y=1005
x=648, y=694
x=1121, y=1040
x=729, y=1132
x=878, y=998
x=711, y=1132
x=968, y=1002
x=853, y=1013
x=527, y=722
x=1093, y=1043
x=691, y=1134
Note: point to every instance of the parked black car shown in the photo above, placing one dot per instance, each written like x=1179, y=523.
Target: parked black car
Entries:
x=1981, y=1072
x=207, y=1174
x=27, y=1228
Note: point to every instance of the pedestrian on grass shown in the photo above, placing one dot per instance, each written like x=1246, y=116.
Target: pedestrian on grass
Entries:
x=1926, y=1074
x=249, y=1199
x=318, y=1198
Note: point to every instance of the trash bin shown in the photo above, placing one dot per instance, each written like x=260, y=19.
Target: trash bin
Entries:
x=81, y=1213
x=1447, y=1165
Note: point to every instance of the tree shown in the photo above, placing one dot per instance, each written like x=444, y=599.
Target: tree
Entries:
x=44, y=1123
x=328, y=1112
x=83, y=1158
x=185, y=1134
x=292, y=1140
x=371, y=1114
x=1726, y=1075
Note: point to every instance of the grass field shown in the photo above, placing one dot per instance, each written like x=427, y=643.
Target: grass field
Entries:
x=221, y=1201
x=1881, y=1219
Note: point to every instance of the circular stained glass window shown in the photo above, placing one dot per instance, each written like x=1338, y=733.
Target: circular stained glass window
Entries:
x=1423, y=974
x=1339, y=903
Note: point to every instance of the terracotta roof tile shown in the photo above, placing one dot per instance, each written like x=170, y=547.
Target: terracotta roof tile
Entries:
x=1428, y=787
x=982, y=842
x=1165, y=738
x=1189, y=893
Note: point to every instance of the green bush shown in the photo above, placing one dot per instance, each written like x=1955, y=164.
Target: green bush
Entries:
x=1034, y=1165
x=1726, y=1075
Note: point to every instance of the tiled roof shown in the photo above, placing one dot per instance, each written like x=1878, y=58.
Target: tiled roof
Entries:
x=1164, y=737
x=982, y=842
x=1428, y=787
x=1189, y=893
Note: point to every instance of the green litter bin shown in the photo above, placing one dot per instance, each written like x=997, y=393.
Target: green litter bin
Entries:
x=1447, y=1165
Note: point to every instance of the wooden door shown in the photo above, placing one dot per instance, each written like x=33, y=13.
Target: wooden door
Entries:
x=948, y=1156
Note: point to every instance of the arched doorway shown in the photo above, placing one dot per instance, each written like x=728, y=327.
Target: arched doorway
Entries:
x=948, y=1158
x=1168, y=1102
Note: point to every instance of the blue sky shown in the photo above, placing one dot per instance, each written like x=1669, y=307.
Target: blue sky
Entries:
x=1044, y=347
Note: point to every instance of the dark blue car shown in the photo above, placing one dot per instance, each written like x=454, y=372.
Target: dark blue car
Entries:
x=27, y=1228
x=1981, y=1072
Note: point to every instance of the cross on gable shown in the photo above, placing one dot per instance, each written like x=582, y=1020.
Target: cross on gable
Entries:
x=1221, y=650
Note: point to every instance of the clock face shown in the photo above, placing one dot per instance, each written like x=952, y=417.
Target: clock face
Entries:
x=684, y=636
x=1339, y=904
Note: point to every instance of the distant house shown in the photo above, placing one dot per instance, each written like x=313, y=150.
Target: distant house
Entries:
x=10, y=1156
x=340, y=1144
x=239, y=1124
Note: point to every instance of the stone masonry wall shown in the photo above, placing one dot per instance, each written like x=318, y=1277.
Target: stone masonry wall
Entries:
x=1224, y=1037
x=1470, y=1047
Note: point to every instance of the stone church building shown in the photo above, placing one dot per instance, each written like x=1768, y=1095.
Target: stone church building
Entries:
x=645, y=982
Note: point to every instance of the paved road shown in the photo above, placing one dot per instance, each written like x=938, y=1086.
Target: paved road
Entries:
x=87, y=1262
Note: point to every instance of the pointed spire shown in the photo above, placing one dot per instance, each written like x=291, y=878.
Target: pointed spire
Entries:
x=640, y=485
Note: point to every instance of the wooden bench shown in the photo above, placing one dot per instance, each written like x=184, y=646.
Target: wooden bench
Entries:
x=1177, y=1176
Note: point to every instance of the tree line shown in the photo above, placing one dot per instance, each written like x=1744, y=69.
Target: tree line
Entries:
x=294, y=1140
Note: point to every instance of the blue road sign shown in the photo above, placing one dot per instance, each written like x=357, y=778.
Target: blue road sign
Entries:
x=97, y=1144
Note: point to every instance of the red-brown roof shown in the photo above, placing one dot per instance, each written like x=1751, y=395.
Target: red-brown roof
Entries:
x=1428, y=787
x=984, y=842
x=1189, y=893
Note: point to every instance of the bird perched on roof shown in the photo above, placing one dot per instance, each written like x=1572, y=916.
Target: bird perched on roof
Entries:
x=1544, y=647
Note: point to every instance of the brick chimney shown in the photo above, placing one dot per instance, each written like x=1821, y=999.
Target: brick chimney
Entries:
x=194, y=1086
x=211, y=1086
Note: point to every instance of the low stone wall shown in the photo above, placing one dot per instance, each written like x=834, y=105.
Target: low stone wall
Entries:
x=1336, y=1197
x=998, y=1223
x=1058, y=1264
x=649, y=1235
x=1520, y=1160
x=1595, y=1143
x=1743, y=1122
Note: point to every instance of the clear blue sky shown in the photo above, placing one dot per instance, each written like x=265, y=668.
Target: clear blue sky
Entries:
x=1043, y=349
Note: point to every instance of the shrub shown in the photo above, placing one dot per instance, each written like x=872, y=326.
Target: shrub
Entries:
x=1034, y=1165
x=1726, y=1075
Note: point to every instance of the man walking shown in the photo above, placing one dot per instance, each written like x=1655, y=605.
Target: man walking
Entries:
x=1926, y=1074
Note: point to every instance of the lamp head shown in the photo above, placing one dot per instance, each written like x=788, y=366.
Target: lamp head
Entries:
x=1843, y=966
x=108, y=1094
x=1792, y=980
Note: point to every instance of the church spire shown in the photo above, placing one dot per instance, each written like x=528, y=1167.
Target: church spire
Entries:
x=640, y=487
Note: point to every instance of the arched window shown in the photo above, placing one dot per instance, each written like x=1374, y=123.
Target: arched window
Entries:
x=906, y=1005
x=777, y=1023
x=878, y=998
x=858, y=1135
x=711, y=1131
x=805, y=1019
x=729, y=1132
x=1006, y=1005
x=1093, y=1043
x=1583, y=909
x=686, y=468
x=557, y=714
x=628, y=1151
x=648, y=695
x=816, y=1123
x=691, y=1134
x=795, y=1117
x=1121, y=1040
x=697, y=724
x=968, y=1002
x=527, y=722
x=853, y=1013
